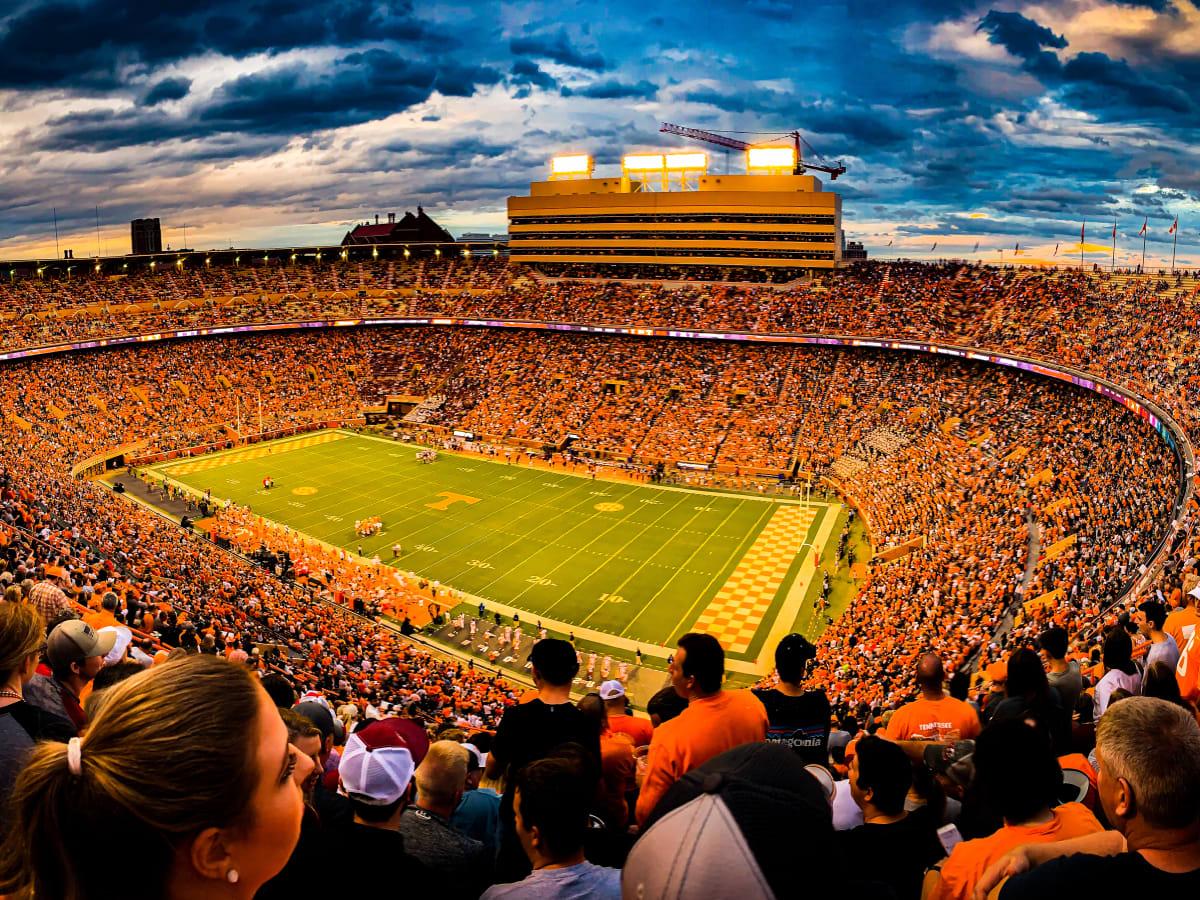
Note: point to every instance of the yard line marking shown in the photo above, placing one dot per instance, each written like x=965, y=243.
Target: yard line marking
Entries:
x=659, y=549
x=523, y=537
x=737, y=550
x=665, y=512
x=534, y=505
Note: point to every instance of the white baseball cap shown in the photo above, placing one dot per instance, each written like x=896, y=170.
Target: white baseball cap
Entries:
x=375, y=775
x=611, y=690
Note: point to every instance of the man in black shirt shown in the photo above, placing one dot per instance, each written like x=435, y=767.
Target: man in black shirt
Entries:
x=797, y=718
x=376, y=773
x=533, y=731
x=1149, y=756
x=898, y=846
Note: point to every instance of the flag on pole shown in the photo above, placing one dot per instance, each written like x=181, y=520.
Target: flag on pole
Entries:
x=1144, y=225
x=976, y=250
x=934, y=247
x=1017, y=249
x=1114, y=231
x=1082, y=232
x=1174, y=226
x=889, y=243
x=1056, y=249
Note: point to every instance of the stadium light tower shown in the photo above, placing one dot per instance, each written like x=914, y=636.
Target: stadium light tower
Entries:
x=571, y=166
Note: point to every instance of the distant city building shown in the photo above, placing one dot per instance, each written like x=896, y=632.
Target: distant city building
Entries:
x=146, y=236
x=854, y=250
x=482, y=236
x=418, y=229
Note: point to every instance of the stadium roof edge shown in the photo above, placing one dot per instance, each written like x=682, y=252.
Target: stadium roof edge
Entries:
x=172, y=256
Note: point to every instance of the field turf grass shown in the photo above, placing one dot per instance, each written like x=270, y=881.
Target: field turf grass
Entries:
x=633, y=561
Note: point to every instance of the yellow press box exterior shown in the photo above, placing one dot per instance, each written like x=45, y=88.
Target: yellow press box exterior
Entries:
x=664, y=209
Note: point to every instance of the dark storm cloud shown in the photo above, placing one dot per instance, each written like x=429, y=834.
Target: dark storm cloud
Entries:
x=90, y=43
x=1093, y=80
x=559, y=48
x=527, y=73
x=1018, y=35
x=614, y=90
x=167, y=89
x=284, y=101
x=1090, y=80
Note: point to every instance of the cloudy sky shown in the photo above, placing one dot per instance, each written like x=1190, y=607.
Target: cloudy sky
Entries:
x=277, y=122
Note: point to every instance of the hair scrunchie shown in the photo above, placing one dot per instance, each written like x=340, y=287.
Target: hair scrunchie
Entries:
x=75, y=756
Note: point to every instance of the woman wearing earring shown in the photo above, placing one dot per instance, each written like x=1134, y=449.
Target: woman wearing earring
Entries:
x=190, y=763
x=22, y=637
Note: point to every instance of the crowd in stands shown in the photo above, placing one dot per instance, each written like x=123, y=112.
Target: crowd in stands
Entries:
x=994, y=489
x=233, y=783
x=975, y=466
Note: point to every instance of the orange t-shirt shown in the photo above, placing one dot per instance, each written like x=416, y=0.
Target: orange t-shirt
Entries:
x=640, y=731
x=707, y=727
x=618, y=775
x=1187, y=670
x=970, y=859
x=101, y=619
x=947, y=719
x=1181, y=624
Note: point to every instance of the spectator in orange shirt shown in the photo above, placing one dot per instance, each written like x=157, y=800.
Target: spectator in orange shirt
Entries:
x=639, y=730
x=617, y=768
x=105, y=616
x=714, y=721
x=1017, y=776
x=935, y=715
x=1149, y=753
x=1182, y=622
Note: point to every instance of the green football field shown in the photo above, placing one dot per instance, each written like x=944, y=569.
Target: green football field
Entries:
x=618, y=563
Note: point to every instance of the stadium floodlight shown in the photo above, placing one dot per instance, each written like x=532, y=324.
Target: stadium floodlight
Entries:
x=293, y=257
x=643, y=162
x=770, y=159
x=687, y=162
x=97, y=267
x=572, y=164
x=407, y=253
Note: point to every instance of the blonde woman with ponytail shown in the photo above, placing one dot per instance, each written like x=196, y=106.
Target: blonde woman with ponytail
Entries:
x=186, y=768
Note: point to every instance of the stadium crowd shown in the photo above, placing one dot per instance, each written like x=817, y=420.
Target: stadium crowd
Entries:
x=1078, y=767
x=722, y=792
x=971, y=464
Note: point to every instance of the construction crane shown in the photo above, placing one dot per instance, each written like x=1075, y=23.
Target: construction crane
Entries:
x=709, y=137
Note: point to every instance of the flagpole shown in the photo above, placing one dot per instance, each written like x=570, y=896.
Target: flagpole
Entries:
x=1082, y=233
x=1174, y=244
x=1114, y=258
x=1143, y=249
